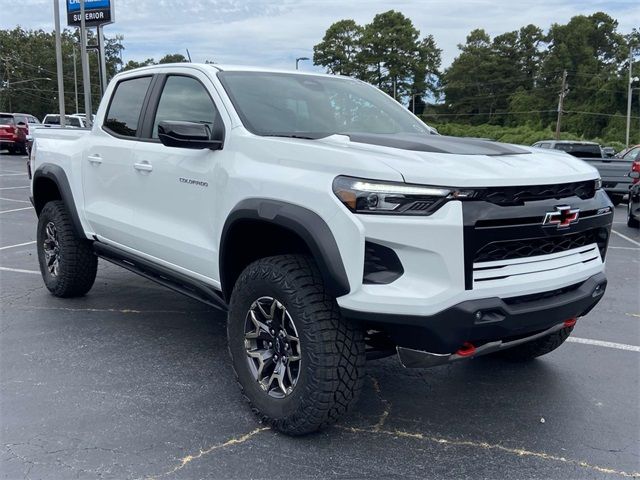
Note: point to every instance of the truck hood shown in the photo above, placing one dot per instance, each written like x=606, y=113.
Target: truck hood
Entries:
x=465, y=162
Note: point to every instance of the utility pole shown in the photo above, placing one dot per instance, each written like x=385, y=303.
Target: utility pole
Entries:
x=563, y=93
x=86, y=80
x=629, y=94
x=56, y=16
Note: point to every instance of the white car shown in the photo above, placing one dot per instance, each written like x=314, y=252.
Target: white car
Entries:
x=328, y=223
x=73, y=121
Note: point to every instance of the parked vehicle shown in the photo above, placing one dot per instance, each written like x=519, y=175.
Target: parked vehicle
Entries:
x=28, y=122
x=13, y=133
x=608, y=152
x=328, y=223
x=53, y=119
x=633, y=207
x=613, y=171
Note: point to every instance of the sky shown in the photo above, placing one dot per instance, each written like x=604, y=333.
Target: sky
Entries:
x=273, y=33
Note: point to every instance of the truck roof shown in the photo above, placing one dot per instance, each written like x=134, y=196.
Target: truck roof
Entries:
x=230, y=68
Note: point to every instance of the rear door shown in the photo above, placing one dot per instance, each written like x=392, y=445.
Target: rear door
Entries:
x=175, y=187
x=107, y=167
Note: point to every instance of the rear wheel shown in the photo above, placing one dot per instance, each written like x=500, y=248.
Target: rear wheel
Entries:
x=298, y=363
x=536, y=348
x=67, y=263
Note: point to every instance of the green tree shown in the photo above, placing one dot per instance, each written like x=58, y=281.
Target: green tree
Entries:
x=28, y=70
x=339, y=49
x=173, y=58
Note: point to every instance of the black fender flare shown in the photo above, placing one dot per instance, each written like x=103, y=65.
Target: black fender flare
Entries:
x=308, y=225
x=56, y=174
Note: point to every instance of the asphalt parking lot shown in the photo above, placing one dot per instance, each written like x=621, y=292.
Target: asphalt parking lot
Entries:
x=134, y=381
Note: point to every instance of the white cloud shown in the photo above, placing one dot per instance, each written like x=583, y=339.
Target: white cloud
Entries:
x=274, y=33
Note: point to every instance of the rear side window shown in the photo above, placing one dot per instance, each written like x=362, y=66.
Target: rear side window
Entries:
x=184, y=99
x=126, y=105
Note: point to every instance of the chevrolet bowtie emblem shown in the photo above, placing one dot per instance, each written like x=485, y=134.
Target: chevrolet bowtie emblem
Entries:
x=563, y=217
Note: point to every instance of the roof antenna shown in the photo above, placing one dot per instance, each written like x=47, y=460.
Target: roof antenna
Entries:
x=189, y=55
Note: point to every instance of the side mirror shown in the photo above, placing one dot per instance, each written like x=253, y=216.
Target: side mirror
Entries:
x=22, y=124
x=633, y=175
x=187, y=135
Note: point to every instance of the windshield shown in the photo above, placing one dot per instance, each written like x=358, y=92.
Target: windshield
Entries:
x=282, y=104
x=6, y=119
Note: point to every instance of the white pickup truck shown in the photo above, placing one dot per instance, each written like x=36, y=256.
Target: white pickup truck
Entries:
x=327, y=221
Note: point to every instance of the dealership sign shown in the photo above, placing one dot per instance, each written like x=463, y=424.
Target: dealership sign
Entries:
x=96, y=12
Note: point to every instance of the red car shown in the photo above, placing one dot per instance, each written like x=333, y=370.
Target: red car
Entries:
x=13, y=132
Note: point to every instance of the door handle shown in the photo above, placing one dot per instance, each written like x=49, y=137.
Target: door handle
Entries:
x=143, y=166
x=95, y=159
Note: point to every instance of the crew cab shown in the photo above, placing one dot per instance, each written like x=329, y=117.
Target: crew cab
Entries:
x=326, y=221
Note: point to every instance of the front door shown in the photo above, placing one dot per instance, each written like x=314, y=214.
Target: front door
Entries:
x=176, y=187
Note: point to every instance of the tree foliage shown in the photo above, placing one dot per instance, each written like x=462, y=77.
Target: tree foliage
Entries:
x=515, y=78
x=388, y=52
x=28, y=70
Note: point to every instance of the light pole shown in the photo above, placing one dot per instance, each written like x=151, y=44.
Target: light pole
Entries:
x=629, y=93
x=300, y=59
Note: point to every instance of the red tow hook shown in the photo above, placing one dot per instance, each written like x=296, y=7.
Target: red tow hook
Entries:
x=571, y=322
x=466, y=350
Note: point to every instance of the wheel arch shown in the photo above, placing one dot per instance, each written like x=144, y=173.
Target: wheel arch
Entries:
x=298, y=229
x=50, y=182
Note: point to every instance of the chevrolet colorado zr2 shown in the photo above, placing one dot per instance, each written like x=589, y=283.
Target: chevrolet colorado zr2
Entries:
x=326, y=221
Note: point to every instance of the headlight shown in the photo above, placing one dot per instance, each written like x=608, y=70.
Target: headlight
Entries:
x=598, y=182
x=371, y=196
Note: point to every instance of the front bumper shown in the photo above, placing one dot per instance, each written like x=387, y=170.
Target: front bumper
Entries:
x=486, y=320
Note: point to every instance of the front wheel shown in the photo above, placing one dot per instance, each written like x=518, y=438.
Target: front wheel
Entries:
x=536, y=348
x=298, y=362
x=67, y=263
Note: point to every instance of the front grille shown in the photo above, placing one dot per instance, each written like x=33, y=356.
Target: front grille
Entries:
x=508, y=250
x=519, y=195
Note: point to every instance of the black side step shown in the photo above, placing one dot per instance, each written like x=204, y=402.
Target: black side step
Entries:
x=162, y=275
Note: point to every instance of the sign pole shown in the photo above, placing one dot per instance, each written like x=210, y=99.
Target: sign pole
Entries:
x=56, y=16
x=86, y=80
x=103, y=62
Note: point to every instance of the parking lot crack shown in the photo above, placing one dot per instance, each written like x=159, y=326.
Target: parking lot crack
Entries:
x=190, y=458
x=521, y=452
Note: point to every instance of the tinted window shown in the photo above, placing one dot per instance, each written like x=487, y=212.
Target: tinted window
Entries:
x=184, y=99
x=6, y=119
x=126, y=104
x=580, y=149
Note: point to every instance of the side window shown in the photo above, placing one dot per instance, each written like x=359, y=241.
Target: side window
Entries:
x=633, y=154
x=184, y=99
x=126, y=104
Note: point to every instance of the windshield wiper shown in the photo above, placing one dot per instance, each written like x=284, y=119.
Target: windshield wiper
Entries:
x=304, y=136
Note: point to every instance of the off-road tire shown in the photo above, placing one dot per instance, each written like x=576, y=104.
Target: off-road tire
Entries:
x=536, y=348
x=77, y=265
x=332, y=349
